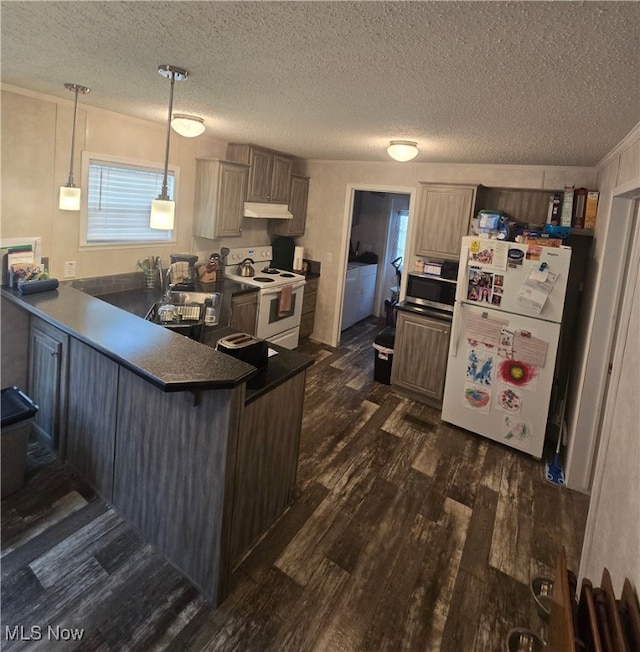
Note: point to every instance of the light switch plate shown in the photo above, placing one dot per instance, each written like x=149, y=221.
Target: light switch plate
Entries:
x=70, y=269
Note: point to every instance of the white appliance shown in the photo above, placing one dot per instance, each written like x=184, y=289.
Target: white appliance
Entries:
x=279, y=298
x=505, y=333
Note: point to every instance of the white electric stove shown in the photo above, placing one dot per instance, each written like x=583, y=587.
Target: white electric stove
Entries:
x=280, y=294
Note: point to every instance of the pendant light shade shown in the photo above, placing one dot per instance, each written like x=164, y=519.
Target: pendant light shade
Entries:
x=70, y=194
x=163, y=208
x=402, y=150
x=189, y=126
x=162, y=213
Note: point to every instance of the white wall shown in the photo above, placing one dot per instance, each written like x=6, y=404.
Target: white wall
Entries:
x=328, y=208
x=36, y=141
x=612, y=536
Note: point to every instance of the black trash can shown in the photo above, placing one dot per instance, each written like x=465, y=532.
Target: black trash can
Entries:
x=18, y=411
x=383, y=345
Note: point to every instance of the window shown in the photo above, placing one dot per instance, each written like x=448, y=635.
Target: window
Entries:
x=119, y=196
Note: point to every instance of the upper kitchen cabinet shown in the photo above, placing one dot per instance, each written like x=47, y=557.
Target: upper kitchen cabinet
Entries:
x=297, y=207
x=221, y=188
x=443, y=217
x=269, y=172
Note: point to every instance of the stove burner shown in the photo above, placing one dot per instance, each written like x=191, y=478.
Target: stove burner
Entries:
x=287, y=275
x=270, y=270
x=263, y=279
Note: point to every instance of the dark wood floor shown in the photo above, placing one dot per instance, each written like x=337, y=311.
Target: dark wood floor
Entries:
x=406, y=534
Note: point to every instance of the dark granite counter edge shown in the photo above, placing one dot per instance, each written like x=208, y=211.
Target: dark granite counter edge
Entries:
x=168, y=361
x=424, y=311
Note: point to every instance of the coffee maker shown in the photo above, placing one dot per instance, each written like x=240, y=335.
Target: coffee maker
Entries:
x=182, y=271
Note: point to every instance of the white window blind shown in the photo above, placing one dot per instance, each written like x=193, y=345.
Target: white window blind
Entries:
x=119, y=197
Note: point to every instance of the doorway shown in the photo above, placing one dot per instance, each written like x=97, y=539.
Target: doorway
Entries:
x=377, y=236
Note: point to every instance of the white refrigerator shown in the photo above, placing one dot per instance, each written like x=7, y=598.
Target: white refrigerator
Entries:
x=504, y=340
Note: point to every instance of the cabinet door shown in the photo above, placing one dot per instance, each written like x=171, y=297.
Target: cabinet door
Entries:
x=244, y=312
x=298, y=208
x=219, y=198
x=260, y=175
x=444, y=213
x=420, y=355
x=280, y=180
x=48, y=353
x=233, y=184
x=308, y=316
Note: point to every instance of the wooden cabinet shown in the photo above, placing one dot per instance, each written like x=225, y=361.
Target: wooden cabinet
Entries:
x=48, y=370
x=443, y=217
x=359, y=293
x=220, y=193
x=244, y=312
x=91, y=431
x=267, y=458
x=420, y=356
x=269, y=172
x=308, y=316
x=297, y=207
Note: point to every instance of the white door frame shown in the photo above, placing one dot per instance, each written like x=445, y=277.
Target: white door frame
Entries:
x=344, y=239
x=584, y=442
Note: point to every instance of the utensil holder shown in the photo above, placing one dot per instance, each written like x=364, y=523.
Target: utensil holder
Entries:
x=150, y=279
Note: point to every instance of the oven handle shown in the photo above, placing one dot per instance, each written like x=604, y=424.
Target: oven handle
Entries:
x=276, y=290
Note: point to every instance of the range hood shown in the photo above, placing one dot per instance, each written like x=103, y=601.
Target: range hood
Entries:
x=267, y=211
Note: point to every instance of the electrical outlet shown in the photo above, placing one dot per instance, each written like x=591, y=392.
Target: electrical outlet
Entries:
x=329, y=257
x=69, y=268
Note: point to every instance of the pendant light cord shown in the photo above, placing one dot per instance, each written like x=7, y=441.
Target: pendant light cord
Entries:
x=165, y=193
x=73, y=137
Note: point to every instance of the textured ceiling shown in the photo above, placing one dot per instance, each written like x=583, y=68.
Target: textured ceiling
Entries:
x=486, y=82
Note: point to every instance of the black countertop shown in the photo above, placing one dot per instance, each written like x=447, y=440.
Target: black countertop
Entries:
x=112, y=324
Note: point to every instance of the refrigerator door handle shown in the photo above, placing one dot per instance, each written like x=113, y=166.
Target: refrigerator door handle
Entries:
x=453, y=350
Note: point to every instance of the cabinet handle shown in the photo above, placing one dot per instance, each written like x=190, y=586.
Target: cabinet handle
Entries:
x=54, y=353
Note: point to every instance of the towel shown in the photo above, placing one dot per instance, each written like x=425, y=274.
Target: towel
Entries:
x=284, y=305
x=180, y=272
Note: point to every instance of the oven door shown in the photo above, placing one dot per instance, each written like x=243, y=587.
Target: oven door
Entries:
x=275, y=313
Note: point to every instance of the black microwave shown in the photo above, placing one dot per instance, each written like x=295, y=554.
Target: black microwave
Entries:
x=430, y=290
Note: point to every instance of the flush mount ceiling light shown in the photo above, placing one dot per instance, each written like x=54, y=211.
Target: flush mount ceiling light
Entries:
x=70, y=194
x=402, y=150
x=189, y=126
x=163, y=210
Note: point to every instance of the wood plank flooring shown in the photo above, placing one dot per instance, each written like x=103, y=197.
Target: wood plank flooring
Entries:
x=405, y=534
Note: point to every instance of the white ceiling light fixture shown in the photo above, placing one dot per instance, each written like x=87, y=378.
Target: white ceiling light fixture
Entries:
x=70, y=194
x=163, y=209
x=402, y=150
x=188, y=126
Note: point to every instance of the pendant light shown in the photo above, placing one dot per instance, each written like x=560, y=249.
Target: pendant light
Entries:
x=163, y=209
x=402, y=150
x=188, y=126
x=70, y=194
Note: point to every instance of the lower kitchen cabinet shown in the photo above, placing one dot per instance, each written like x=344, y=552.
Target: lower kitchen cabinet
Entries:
x=420, y=356
x=244, y=312
x=92, y=405
x=48, y=370
x=266, y=462
x=308, y=316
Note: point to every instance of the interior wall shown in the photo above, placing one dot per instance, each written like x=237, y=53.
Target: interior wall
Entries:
x=594, y=339
x=329, y=198
x=36, y=140
x=612, y=537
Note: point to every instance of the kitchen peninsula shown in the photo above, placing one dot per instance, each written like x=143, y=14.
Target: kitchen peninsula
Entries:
x=164, y=427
